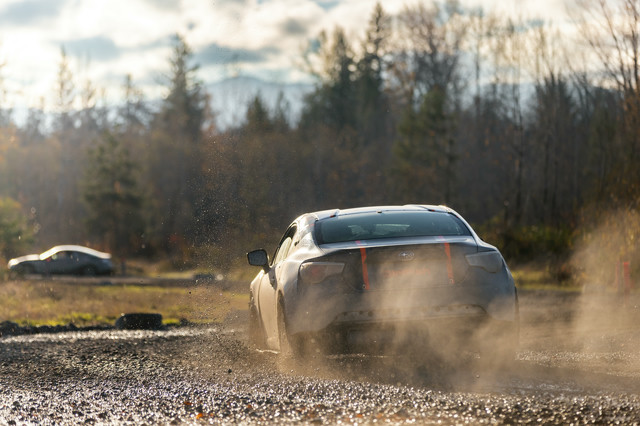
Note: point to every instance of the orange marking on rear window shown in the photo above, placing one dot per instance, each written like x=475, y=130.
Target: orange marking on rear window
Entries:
x=365, y=272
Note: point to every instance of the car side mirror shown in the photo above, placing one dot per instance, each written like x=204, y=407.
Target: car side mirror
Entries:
x=259, y=258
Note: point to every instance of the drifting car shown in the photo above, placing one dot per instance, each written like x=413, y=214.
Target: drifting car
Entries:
x=378, y=277
x=64, y=260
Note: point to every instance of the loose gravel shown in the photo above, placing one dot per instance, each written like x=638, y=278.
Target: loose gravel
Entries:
x=209, y=375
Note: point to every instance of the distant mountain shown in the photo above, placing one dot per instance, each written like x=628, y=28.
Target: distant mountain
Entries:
x=230, y=98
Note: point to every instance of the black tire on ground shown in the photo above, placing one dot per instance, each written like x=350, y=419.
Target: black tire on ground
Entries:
x=89, y=271
x=256, y=333
x=290, y=346
x=139, y=321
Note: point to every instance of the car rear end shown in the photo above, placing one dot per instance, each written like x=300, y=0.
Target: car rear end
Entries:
x=404, y=286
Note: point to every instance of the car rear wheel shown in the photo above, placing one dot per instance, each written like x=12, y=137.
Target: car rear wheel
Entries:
x=290, y=345
x=256, y=334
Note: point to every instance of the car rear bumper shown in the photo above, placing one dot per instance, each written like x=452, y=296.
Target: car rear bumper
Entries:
x=448, y=336
x=321, y=308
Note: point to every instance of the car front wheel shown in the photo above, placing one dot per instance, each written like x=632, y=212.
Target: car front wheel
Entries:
x=25, y=270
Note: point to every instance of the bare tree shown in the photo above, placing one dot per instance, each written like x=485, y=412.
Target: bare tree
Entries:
x=65, y=94
x=481, y=28
x=611, y=30
x=5, y=109
x=509, y=50
x=428, y=50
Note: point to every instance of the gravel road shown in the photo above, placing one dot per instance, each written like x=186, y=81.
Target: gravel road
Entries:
x=578, y=363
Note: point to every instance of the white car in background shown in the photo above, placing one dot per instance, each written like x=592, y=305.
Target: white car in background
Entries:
x=64, y=260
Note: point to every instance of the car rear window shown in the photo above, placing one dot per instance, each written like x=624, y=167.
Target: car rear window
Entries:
x=388, y=225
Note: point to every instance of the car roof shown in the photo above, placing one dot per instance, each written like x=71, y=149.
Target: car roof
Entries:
x=325, y=214
x=71, y=247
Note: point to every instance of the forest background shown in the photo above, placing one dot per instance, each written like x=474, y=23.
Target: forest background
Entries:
x=533, y=136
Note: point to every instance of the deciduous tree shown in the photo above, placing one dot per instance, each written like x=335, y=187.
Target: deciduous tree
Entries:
x=15, y=232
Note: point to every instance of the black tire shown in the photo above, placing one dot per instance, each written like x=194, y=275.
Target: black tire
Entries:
x=290, y=346
x=255, y=331
x=23, y=270
x=89, y=271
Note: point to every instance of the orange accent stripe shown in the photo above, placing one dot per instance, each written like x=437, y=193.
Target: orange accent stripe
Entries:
x=447, y=250
x=365, y=272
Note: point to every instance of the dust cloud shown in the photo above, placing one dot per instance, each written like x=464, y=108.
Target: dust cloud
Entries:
x=422, y=339
x=607, y=317
x=584, y=337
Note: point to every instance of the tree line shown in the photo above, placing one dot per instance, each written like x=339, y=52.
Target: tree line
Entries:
x=530, y=135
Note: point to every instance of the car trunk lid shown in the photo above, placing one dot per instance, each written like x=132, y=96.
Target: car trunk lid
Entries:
x=406, y=265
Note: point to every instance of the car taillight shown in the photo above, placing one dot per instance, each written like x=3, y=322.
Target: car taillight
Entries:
x=315, y=272
x=490, y=261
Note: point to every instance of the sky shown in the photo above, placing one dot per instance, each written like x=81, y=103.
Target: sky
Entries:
x=107, y=39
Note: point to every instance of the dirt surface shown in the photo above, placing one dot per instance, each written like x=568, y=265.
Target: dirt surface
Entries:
x=578, y=362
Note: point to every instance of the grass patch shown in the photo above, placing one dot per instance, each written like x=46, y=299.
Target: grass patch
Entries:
x=56, y=302
x=43, y=302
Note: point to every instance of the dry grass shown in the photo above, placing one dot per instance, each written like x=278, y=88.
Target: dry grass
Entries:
x=87, y=302
x=40, y=302
x=539, y=276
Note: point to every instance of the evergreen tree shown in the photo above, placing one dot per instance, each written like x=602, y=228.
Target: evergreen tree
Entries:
x=371, y=99
x=133, y=115
x=175, y=152
x=328, y=128
x=374, y=120
x=332, y=104
x=112, y=197
x=423, y=152
x=65, y=217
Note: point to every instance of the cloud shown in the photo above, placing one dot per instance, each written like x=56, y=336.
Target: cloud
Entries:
x=215, y=54
x=164, y=4
x=167, y=40
x=236, y=2
x=97, y=48
x=107, y=40
x=328, y=4
x=30, y=11
x=293, y=27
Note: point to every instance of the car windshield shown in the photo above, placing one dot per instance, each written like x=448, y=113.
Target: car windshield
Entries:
x=388, y=225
